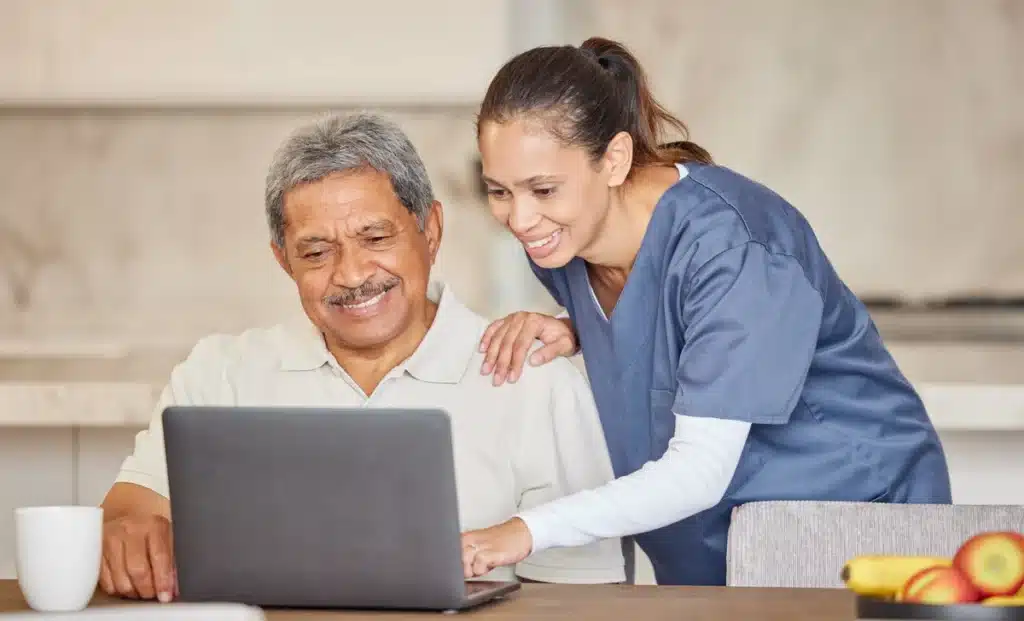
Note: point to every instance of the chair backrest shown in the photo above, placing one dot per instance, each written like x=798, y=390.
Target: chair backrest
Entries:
x=805, y=544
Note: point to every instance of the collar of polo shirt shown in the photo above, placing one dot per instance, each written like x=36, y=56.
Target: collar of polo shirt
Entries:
x=443, y=355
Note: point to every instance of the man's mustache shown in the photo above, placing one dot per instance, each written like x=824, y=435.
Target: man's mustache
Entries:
x=361, y=293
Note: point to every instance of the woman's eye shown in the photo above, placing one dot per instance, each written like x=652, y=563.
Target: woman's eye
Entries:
x=496, y=193
x=542, y=192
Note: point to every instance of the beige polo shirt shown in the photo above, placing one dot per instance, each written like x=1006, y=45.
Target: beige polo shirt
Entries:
x=516, y=446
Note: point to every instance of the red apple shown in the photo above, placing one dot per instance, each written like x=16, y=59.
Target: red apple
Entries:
x=993, y=562
x=939, y=585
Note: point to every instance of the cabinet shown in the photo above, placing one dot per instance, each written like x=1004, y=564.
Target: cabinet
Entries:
x=55, y=466
x=100, y=451
x=36, y=468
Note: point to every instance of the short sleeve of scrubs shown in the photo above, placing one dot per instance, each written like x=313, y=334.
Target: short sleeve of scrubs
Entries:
x=751, y=321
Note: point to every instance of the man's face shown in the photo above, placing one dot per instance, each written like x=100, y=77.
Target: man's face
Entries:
x=358, y=257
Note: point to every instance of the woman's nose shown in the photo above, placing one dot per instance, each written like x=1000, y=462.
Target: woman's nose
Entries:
x=522, y=217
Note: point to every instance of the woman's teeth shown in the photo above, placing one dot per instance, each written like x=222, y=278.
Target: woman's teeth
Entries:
x=369, y=302
x=544, y=242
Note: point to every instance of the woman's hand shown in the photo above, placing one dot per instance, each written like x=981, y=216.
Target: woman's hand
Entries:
x=507, y=341
x=505, y=544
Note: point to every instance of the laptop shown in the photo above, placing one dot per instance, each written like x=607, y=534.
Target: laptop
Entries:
x=318, y=508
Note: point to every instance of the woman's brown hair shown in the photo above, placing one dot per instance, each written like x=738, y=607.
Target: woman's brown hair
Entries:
x=587, y=95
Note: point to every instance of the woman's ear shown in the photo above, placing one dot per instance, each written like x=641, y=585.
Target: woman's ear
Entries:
x=618, y=157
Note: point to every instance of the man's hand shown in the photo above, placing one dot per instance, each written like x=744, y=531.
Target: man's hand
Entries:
x=505, y=544
x=138, y=558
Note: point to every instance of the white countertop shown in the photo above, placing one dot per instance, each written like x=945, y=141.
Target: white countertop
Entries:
x=84, y=404
x=974, y=407
x=953, y=406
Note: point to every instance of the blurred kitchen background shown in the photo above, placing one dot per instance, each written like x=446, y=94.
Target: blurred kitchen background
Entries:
x=135, y=135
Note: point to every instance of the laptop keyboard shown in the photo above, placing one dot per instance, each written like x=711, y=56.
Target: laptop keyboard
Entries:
x=477, y=586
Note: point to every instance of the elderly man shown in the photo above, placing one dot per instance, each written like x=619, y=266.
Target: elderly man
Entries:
x=354, y=223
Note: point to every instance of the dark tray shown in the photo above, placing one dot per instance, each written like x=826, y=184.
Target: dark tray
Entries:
x=873, y=608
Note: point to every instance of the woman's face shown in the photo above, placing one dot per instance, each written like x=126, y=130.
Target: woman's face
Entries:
x=553, y=198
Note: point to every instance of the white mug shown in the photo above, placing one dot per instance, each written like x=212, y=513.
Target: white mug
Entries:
x=58, y=556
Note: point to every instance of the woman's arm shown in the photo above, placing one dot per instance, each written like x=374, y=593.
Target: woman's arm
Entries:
x=691, y=477
x=752, y=321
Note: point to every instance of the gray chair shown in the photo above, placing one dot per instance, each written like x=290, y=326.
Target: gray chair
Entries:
x=805, y=544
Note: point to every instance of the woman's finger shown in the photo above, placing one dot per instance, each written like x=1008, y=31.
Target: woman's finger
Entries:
x=521, y=347
x=560, y=347
x=482, y=563
x=485, y=340
x=508, y=343
x=494, y=348
x=469, y=551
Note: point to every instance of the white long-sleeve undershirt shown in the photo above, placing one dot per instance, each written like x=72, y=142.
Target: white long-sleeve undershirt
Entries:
x=690, y=477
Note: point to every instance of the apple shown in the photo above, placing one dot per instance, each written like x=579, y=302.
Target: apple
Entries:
x=993, y=562
x=939, y=585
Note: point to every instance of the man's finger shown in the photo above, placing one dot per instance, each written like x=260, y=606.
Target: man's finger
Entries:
x=106, y=582
x=162, y=565
x=174, y=566
x=118, y=569
x=136, y=557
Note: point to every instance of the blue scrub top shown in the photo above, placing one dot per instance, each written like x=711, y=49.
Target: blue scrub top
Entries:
x=732, y=310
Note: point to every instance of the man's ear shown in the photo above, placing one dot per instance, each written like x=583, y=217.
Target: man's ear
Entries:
x=282, y=258
x=433, y=228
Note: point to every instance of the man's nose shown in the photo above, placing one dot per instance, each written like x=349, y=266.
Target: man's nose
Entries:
x=351, y=269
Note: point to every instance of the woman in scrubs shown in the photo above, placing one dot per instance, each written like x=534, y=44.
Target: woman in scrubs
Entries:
x=729, y=361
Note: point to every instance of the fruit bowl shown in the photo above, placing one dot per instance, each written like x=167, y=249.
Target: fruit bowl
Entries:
x=983, y=581
x=878, y=608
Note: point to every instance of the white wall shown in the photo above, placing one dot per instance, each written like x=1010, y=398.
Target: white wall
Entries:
x=262, y=51
x=895, y=126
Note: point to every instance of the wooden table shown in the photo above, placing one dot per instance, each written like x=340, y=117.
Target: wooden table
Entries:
x=594, y=603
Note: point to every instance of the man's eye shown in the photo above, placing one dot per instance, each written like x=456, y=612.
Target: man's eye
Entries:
x=377, y=239
x=316, y=254
x=544, y=191
x=496, y=193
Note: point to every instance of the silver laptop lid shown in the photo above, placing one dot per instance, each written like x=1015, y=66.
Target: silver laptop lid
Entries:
x=312, y=507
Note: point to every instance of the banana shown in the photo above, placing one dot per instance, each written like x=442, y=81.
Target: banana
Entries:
x=884, y=576
x=1006, y=600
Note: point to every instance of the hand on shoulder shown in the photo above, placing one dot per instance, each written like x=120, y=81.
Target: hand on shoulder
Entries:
x=506, y=343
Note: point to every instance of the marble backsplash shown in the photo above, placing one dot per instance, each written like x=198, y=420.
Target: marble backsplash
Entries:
x=148, y=225
x=896, y=127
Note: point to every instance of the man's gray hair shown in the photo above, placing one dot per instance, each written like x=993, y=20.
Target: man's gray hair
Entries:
x=335, y=144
